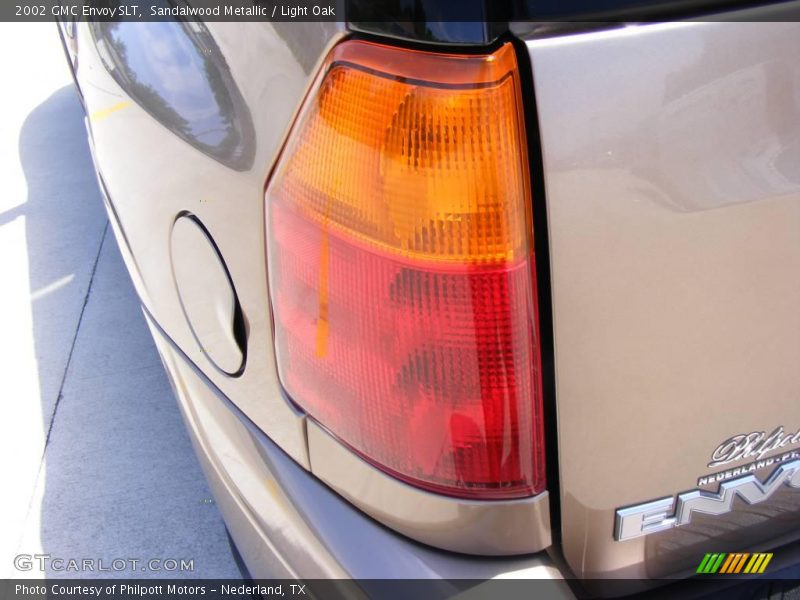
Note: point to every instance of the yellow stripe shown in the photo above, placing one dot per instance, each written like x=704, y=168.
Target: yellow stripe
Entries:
x=753, y=564
x=765, y=563
x=104, y=112
x=740, y=564
x=727, y=563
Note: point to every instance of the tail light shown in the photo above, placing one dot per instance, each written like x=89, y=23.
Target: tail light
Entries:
x=401, y=268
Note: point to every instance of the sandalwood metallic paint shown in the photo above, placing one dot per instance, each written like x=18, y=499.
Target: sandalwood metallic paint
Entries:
x=672, y=171
x=207, y=296
x=152, y=175
x=176, y=72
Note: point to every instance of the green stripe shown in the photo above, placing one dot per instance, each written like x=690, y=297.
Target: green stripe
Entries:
x=702, y=567
x=712, y=559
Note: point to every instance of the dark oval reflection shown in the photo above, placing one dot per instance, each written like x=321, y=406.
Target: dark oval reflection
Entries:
x=176, y=72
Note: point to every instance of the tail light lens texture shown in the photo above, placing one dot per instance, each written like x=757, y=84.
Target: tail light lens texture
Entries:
x=401, y=271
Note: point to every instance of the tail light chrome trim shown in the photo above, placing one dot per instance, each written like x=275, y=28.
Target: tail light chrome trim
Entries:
x=493, y=528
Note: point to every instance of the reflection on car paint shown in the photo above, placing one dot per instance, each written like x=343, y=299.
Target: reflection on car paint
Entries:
x=175, y=71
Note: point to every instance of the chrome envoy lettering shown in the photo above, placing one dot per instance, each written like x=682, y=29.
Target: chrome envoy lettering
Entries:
x=658, y=515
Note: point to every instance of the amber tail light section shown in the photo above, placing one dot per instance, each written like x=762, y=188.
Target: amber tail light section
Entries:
x=401, y=268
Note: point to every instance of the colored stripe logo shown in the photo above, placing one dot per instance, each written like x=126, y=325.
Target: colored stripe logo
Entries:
x=734, y=563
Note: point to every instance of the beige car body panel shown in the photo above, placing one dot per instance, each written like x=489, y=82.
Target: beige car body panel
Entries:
x=133, y=154
x=672, y=171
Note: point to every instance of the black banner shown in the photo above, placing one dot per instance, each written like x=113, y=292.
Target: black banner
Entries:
x=399, y=11
x=392, y=589
x=169, y=10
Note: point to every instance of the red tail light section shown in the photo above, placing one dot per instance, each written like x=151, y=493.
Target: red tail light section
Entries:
x=401, y=268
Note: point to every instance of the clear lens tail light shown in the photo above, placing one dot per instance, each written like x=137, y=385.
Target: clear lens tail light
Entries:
x=401, y=268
